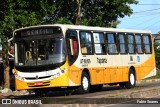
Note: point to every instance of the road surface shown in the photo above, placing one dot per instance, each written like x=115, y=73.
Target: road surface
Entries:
x=153, y=101
x=108, y=91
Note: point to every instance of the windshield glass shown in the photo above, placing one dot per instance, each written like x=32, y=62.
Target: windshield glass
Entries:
x=40, y=52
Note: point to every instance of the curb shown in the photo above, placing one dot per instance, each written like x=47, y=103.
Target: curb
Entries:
x=143, y=93
x=148, y=81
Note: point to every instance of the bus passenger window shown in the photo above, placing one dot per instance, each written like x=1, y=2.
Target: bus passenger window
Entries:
x=86, y=44
x=112, y=48
x=99, y=43
x=138, y=44
x=122, y=44
x=131, y=48
x=147, y=43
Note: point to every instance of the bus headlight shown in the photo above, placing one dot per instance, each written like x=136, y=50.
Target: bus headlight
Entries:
x=19, y=77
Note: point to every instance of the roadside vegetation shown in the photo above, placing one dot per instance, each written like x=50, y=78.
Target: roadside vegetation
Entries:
x=157, y=58
x=157, y=54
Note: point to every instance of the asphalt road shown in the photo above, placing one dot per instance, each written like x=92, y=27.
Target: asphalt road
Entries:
x=153, y=101
x=108, y=91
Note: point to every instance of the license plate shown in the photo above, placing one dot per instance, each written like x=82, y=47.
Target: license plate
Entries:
x=38, y=83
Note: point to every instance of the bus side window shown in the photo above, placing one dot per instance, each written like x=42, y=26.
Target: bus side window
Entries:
x=112, y=47
x=86, y=43
x=138, y=43
x=131, y=48
x=122, y=43
x=72, y=45
x=99, y=45
x=147, y=44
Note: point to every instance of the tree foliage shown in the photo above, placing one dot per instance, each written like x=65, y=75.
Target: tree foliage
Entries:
x=157, y=53
x=94, y=12
x=16, y=14
x=20, y=13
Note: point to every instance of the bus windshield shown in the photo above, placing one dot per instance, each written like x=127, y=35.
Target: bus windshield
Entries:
x=39, y=52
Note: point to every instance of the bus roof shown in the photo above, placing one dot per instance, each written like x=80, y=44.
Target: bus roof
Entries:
x=82, y=27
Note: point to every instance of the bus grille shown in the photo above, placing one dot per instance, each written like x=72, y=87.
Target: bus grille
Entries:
x=34, y=78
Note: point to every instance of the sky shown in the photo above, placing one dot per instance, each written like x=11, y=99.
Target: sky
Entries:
x=146, y=16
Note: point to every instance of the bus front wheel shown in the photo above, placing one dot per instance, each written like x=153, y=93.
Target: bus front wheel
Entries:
x=85, y=84
x=40, y=93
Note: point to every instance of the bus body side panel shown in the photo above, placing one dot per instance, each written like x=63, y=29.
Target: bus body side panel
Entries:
x=114, y=71
x=149, y=68
x=74, y=75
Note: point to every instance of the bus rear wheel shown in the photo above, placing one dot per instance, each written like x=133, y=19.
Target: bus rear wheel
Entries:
x=85, y=84
x=131, y=79
x=95, y=88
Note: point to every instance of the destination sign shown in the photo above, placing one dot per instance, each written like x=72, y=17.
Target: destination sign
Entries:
x=42, y=31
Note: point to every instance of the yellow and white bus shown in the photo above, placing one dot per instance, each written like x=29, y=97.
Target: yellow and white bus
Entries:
x=68, y=56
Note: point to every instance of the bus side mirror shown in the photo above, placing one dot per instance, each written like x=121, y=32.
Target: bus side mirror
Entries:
x=71, y=46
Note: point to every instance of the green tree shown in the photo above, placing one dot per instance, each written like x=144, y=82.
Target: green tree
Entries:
x=157, y=53
x=20, y=13
x=93, y=12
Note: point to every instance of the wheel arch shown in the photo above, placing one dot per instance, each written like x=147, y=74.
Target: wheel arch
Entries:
x=132, y=69
x=83, y=89
x=87, y=72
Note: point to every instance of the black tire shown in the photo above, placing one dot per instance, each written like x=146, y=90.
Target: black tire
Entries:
x=40, y=93
x=131, y=79
x=122, y=84
x=95, y=88
x=85, y=84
